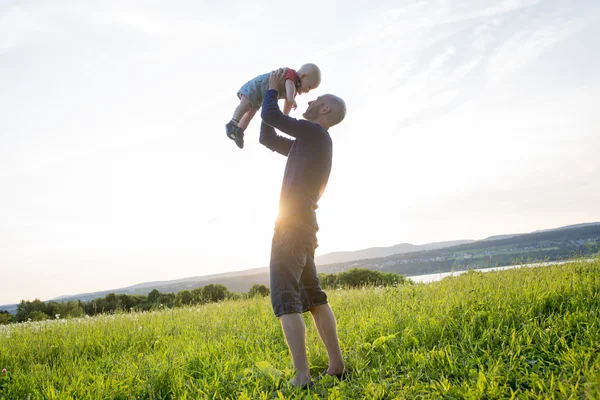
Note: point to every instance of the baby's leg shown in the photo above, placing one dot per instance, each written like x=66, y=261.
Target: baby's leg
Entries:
x=233, y=128
x=245, y=121
x=242, y=109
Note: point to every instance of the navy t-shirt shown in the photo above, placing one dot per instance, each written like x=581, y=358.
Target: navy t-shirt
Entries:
x=309, y=160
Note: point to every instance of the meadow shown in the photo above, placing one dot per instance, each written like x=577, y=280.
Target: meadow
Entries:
x=522, y=333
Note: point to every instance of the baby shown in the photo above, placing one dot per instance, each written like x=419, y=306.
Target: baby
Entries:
x=251, y=95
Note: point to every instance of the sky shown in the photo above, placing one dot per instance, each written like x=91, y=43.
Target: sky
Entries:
x=466, y=119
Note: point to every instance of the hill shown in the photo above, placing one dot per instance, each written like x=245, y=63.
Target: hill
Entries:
x=547, y=245
x=241, y=281
x=376, y=252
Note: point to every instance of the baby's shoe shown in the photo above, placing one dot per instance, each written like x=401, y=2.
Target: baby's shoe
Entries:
x=235, y=133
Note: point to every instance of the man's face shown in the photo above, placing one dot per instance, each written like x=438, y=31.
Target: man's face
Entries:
x=314, y=107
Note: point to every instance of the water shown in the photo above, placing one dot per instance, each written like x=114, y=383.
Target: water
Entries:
x=436, y=277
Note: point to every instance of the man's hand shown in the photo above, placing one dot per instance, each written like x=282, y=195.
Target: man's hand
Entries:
x=276, y=79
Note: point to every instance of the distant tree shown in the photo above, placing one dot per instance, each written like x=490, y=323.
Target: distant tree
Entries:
x=153, y=296
x=111, y=302
x=66, y=309
x=184, y=297
x=214, y=293
x=52, y=308
x=167, y=300
x=94, y=306
x=328, y=281
x=5, y=317
x=38, y=316
x=258, y=290
x=198, y=296
x=26, y=308
x=129, y=302
x=235, y=296
x=358, y=277
x=72, y=309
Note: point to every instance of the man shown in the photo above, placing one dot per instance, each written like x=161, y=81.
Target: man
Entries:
x=295, y=286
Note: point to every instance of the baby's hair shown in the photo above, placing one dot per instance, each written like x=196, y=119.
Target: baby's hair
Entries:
x=313, y=71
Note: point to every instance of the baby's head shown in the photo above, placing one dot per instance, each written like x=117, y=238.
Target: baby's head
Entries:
x=310, y=77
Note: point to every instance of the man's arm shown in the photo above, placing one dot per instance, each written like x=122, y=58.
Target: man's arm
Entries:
x=273, y=141
x=272, y=115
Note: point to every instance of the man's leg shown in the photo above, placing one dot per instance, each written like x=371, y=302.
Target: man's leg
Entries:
x=285, y=269
x=327, y=327
x=295, y=335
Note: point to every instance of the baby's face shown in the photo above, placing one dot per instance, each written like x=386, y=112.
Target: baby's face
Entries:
x=306, y=84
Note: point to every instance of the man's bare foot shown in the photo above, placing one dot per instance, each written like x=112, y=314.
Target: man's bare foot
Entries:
x=303, y=382
x=340, y=374
x=336, y=370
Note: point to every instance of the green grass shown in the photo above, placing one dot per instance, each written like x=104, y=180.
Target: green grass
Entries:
x=524, y=333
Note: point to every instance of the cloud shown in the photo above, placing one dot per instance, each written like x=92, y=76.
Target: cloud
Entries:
x=41, y=24
x=82, y=24
x=19, y=27
x=525, y=46
x=428, y=59
x=473, y=9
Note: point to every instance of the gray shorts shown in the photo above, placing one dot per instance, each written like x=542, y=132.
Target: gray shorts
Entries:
x=256, y=89
x=295, y=286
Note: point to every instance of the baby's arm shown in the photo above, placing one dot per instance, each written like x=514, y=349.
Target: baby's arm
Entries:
x=290, y=93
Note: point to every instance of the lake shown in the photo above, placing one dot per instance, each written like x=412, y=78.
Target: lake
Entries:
x=436, y=277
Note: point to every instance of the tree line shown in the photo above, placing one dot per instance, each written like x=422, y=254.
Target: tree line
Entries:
x=361, y=277
x=38, y=310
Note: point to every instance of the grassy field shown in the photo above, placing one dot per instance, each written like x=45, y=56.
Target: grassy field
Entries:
x=524, y=333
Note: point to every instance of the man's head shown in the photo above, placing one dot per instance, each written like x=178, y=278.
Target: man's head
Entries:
x=327, y=110
x=310, y=77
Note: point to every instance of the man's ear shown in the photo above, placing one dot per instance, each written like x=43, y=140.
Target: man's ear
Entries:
x=325, y=110
x=303, y=75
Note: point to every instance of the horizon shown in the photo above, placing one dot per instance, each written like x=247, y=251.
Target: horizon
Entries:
x=199, y=276
x=263, y=267
x=465, y=120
